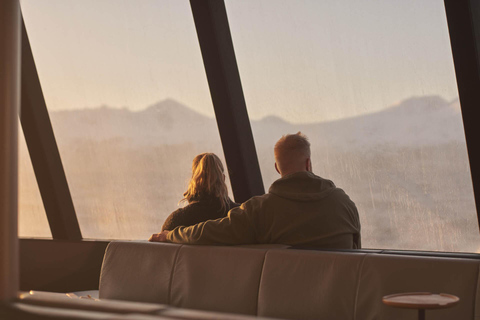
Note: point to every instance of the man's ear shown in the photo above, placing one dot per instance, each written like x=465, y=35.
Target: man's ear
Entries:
x=308, y=165
x=276, y=168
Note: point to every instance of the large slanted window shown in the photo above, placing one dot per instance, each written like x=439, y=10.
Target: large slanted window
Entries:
x=129, y=103
x=372, y=84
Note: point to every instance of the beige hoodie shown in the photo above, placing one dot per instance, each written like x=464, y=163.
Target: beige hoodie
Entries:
x=300, y=209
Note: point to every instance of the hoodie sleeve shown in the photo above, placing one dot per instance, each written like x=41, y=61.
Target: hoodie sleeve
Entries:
x=236, y=228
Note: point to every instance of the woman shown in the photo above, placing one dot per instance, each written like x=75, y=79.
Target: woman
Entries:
x=207, y=194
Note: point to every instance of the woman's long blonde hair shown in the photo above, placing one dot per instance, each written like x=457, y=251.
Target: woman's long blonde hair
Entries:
x=208, y=178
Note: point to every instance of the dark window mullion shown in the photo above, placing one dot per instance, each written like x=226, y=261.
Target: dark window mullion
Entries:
x=463, y=17
x=216, y=44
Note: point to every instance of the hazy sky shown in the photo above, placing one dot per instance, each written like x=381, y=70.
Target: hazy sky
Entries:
x=301, y=60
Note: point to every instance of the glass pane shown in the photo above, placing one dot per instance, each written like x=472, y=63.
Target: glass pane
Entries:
x=129, y=102
x=372, y=84
x=32, y=220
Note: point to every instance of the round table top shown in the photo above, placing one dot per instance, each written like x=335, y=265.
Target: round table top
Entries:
x=421, y=300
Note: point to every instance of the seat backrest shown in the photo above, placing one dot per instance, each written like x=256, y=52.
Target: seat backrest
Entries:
x=224, y=279
x=299, y=284
x=383, y=274
x=138, y=271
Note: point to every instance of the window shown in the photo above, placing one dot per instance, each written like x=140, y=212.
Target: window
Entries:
x=372, y=84
x=32, y=221
x=129, y=103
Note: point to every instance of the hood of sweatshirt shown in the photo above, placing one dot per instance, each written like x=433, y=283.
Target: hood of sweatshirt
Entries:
x=302, y=186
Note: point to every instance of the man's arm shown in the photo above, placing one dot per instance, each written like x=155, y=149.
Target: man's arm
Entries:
x=236, y=228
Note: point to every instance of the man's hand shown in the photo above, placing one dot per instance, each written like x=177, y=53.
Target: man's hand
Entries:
x=159, y=237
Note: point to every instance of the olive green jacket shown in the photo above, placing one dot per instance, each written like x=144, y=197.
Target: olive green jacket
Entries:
x=300, y=209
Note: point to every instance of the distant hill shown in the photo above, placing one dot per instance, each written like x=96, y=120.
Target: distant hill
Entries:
x=166, y=122
x=416, y=121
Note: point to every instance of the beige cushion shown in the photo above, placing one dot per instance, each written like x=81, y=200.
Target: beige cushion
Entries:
x=138, y=271
x=24, y=311
x=309, y=284
x=64, y=301
x=224, y=279
x=388, y=274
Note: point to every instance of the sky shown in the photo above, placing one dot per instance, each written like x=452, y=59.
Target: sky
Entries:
x=304, y=61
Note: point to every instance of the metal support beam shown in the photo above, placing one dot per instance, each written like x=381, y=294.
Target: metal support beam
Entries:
x=43, y=150
x=223, y=77
x=463, y=18
x=10, y=47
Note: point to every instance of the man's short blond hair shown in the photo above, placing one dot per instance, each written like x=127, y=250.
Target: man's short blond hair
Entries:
x=292, y=150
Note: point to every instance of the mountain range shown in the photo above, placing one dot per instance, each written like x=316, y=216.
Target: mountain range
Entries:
x=416, y=121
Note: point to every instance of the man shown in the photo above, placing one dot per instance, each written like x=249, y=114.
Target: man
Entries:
x=300, y=209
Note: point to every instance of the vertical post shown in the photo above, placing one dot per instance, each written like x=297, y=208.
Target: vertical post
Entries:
x=463, y=17
x=9, y=106
x=216, y=44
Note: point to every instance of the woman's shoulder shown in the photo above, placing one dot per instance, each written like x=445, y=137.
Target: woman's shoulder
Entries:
x=180, y=210
x=198, y=211
x=180, y=217
x=188, y=209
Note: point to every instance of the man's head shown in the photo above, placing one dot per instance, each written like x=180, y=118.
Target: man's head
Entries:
x=292, y=154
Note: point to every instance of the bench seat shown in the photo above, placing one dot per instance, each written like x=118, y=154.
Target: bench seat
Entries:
x=277, y=282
